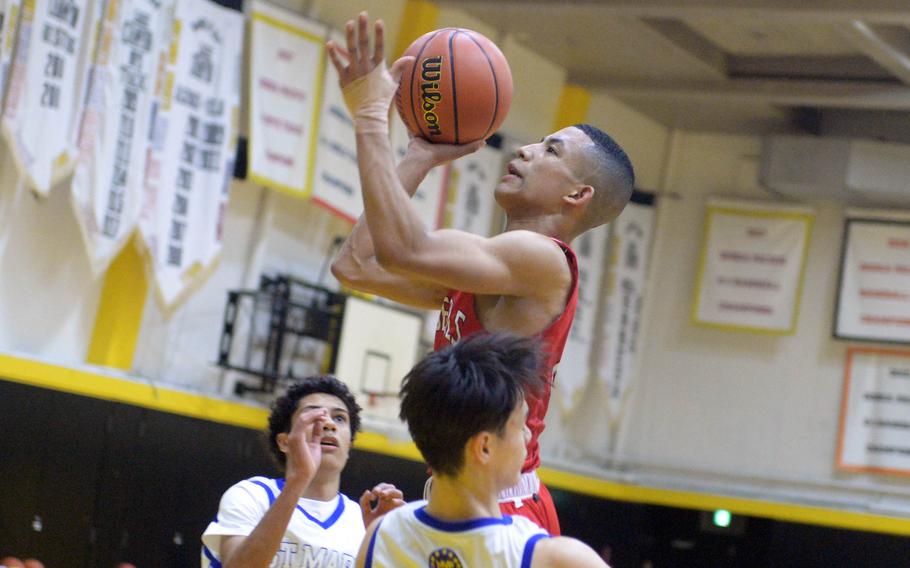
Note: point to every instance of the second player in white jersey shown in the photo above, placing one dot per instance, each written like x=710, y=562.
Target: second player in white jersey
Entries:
x=409, y=537
x=319, y=534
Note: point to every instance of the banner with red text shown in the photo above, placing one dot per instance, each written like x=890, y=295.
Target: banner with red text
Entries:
x=470, y=201
x=287, y=62
x=751, y=267
x=336, y=177
x=874, y=294
x=874, y=432
x=48, y=80
x=616, y=361
x=9, y=21
x=193, y=148
x=108, y=183
x=575, y=366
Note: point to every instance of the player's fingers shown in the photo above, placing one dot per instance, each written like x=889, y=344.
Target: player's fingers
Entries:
x=365, y=499
x=363, y=37
x=379, y=42
x=349, y=38
x=339, y=65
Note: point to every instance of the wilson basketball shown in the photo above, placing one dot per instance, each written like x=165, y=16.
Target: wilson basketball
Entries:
x=459, y=88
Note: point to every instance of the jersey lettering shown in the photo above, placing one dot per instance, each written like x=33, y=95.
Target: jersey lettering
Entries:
x=447, y=325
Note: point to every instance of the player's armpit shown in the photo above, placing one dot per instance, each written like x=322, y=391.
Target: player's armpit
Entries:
x=515, y=263
x=565, y=552
x=371, y=278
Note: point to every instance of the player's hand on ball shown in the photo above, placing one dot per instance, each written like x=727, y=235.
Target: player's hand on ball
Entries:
x=439, y=154
x=385, y=496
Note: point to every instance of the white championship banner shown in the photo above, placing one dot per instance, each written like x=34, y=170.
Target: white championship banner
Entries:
x=287, y=60
x=48, y=81
x=575, y=366
x=873, y=301
x=429, y=200
x=616, y=361
x=336, y=178
x=751, y=268
x=874, y=432
x=108, y=183
x=470, y=201
x=9, y=20
x=194, y=139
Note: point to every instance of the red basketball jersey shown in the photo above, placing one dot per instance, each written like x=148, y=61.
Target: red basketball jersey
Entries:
x=457, y=319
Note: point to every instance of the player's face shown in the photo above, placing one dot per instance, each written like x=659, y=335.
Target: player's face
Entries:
x=513, y=447
x=543, y=173
x=336, y=429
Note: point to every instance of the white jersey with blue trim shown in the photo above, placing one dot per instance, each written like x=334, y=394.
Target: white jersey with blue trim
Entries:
x=409, y=537
x=321, y=534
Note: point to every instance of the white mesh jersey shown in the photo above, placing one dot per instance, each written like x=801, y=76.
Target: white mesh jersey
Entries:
x=409, y=537
x=321, y=534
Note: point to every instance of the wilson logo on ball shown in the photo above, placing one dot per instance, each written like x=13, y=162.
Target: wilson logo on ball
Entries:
x=430, y=73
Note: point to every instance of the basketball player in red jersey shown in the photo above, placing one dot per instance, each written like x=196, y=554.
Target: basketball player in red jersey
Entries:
x=524, y=280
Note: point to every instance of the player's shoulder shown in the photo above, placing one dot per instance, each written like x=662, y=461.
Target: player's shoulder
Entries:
x=259, y=487
x=560, y=551
x=532, y=247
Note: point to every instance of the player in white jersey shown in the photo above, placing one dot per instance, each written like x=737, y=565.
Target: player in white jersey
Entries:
x=465, y=408
x=301, y=519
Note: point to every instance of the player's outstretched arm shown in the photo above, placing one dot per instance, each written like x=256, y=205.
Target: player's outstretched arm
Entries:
x=365, y=545
x=564, y=552
x=356, y=266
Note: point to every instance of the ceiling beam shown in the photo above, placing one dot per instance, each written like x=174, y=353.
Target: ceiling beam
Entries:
x=875, y=11
x=827, y=67
x=705, y=53
x=823, y=94
x=889, y=46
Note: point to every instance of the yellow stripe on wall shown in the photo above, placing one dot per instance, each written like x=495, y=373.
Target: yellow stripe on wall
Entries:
x=96, y=385
x=120, y=310
x=420, y=17
x=574, y=102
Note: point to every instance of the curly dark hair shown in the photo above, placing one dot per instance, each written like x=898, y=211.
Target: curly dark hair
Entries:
x=284, y=407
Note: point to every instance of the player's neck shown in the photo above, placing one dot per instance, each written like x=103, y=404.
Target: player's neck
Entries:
x=548, y=225
x=462, y=498
x=324, y=487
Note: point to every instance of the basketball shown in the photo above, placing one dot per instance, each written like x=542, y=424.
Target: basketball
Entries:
x=459, y=88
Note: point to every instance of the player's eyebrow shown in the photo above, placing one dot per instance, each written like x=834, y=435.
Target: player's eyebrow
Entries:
x=331, y=408
x=553, y=141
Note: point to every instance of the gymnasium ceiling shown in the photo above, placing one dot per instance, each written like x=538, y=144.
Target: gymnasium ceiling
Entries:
x=838, y=67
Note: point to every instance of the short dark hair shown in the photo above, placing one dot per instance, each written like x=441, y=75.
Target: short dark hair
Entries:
x=613, y=179
x=284, y=407
x=467, y=388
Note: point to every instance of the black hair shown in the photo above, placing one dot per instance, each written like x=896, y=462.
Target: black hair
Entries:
x=467, y=388
x=284, y=407
x=614, y=178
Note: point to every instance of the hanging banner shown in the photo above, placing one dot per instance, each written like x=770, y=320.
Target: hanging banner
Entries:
x=875, y=412
x=616, y=361
x=575, y=366
x=287, y=62
x=9, y=21
x=751, y=268
x=429, y=201
x=193, y=148
x=336, y=178
x=873, y=300
x=107, y=186
x=48, y=81
x=470, y=201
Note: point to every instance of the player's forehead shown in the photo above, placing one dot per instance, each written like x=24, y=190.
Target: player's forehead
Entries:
x=324, y=400
x=569, y=137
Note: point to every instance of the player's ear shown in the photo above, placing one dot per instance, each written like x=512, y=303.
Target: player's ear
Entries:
x=479, y=447
x=580, y=196
x=282, y=440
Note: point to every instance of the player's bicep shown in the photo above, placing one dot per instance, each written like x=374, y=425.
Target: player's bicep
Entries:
x=374, y=279
x=516, y=263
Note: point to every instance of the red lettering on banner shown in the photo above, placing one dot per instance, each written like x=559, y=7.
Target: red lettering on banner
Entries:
x=755, y=308
x=285, y=55
x=885, y=320
x=883, y=294
x=871, y=267
x=899, y=243
x=756, y=232
x=280, y=158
